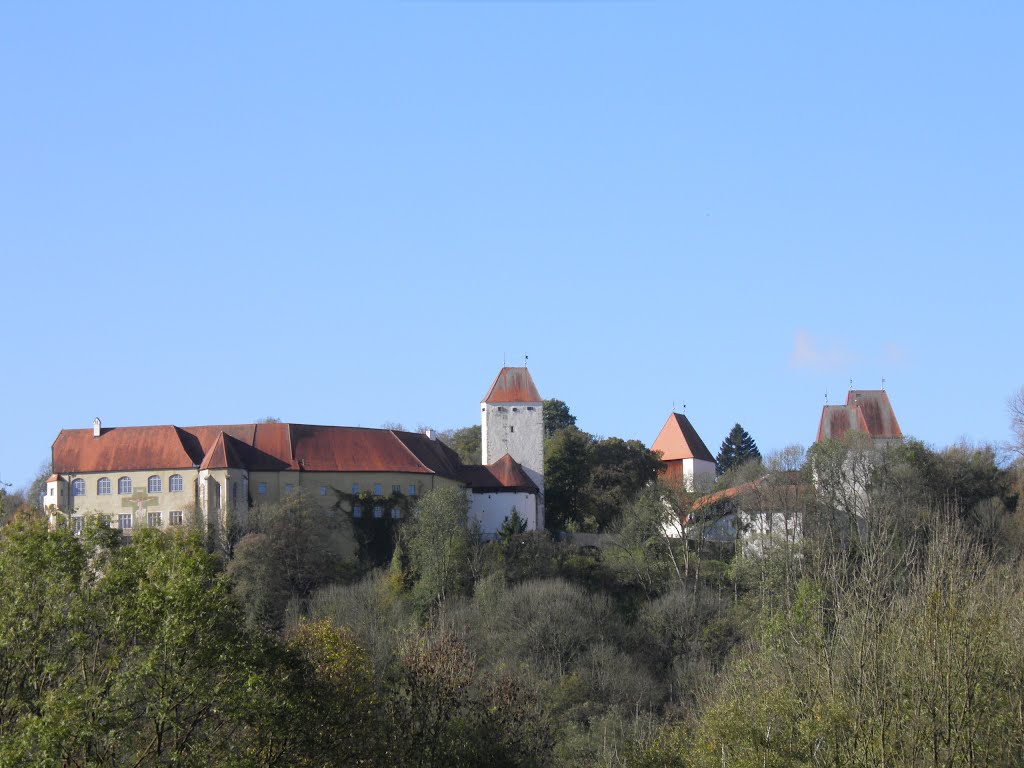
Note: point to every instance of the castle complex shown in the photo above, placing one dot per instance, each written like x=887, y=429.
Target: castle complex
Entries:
x=166, y=476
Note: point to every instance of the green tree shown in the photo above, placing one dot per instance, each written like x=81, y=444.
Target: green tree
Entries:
x=465, y=442
x=737, y=448
x=566, y=472
x=438, y=542
x=618, y=470
x=556, y=417
x=292, y=548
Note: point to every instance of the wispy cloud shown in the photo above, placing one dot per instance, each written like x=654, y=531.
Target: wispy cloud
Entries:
x=822, y=356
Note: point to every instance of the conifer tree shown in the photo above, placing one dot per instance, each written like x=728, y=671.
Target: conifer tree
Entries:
x=737, y=448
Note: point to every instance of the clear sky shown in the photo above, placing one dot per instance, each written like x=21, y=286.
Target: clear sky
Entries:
x=352, y=213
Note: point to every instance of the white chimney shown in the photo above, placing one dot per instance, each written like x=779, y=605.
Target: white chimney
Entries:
x=429, y=433
x=96, y=427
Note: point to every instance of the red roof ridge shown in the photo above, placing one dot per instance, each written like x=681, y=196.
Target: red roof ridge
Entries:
x=679, y=439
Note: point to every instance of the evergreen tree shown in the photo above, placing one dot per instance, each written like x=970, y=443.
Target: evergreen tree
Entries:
x=737, y=448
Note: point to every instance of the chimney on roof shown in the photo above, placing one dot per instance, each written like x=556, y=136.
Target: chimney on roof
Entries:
x=96, y=427
x=430, y=434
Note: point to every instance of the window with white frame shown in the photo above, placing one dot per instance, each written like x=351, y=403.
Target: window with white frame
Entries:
x=153, y=519
x=396, y=488
x=378, y=511
x=78, y=487
x=261, y=488
x=175, y=484
x=357, y=511
x=124, y=485
x=396, y=513
x=124, y=521
x=176, y=517
x=323, y=490
x=412, y=489
x=103, y=486
x=77, y=524
x=109, y=520
x=154, y=485
x=376, y=489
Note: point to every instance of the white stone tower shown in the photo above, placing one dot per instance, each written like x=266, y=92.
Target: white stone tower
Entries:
x=512, y=422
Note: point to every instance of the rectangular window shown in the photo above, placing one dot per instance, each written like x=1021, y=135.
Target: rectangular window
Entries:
x=396, y=513
x=396, y=489
x=376, y=489
x=378, y=511
x=261, y=488
x=357, y=511
x=109, y=520
x=323, y=490
x=355, y=489
x=52, y=490
x=176, y=517
x=153, y=519
x=124, y=521
x=412, y=489
x=77, y=524
x=288, y=487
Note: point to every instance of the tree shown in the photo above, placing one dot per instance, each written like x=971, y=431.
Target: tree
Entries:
x=566, y=471
x=438, y=542
x=556, y=417
x=619, y=469
x=465, y=442
x=292, y=547
x=737, y=448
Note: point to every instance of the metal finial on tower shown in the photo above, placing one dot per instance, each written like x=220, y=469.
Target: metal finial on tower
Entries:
x=526, y=361
x=684, y=409
x=883, y=383
x=851, y=382
x=826, y=397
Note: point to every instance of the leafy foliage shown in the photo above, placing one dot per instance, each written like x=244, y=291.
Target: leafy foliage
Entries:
x=556, y=417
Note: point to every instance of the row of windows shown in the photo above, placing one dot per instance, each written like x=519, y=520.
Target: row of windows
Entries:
x=261, y=488
x=126, y=520
x=378, y=511
x=175, y=484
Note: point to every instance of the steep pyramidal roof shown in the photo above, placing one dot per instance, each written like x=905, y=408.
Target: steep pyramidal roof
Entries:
x=505, y=474
x=679, y=440
x=512, y=385
x=866, y=410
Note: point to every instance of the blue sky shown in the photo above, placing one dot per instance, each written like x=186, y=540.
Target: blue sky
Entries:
x=351, y=213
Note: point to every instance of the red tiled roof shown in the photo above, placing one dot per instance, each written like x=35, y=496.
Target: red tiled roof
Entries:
x=868, y=411
x=679, y=440
x=256, y=447
x=512, y=385
x=505, y=474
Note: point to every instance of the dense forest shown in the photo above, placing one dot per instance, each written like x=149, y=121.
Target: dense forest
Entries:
x=886, y=629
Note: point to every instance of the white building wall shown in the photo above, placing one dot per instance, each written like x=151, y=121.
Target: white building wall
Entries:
x=491, y=510
x=698, y=474
x=518, y=430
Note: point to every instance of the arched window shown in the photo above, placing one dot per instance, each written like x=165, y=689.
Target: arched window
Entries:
x=103, y=486
x=78, y=487
x=124, y=485
x=154, y=484
x=175, y=484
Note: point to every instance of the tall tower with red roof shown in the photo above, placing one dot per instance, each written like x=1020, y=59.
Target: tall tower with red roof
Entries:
x=512, y=422
x=687, y=459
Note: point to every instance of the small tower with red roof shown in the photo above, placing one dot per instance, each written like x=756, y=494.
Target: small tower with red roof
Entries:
x=687, y=459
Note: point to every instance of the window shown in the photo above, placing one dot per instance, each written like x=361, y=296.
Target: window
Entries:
x=396, y=489
x=77, y=524
x=175, y=484
x=323, y=490
x=357, y=511
x=261, y=488
x=234, y=491
x=288, y=487
x=355, y=488
x=124, y=485
x=376, y=489
x=154, y=484
x=511, y=429
x=378, y=511
x=124, y=521
x=52, y=491
x=78, y=487
x=153, y=519
x=176, y=517
x=109, y=520
x=103, y=486
x=396, y=513
x=412, y=489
